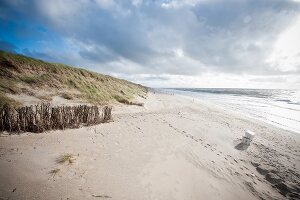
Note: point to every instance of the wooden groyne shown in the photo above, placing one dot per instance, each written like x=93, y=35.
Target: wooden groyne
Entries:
x=43, y=117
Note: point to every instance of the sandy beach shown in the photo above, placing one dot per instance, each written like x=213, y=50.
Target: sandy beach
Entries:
x=172, y=148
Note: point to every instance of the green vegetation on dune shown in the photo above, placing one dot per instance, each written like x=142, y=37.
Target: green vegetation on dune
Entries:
x=21, y=74
x=7, y=101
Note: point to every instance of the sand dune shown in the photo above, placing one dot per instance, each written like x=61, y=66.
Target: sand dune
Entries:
x=172, y=148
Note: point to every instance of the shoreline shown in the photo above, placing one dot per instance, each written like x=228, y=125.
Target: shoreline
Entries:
x=267, y=110
x=238, y=114
x=172, y=148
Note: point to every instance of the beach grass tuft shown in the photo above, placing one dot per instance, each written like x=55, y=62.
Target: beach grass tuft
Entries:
x=67, y=96
x=53, y=172
x=65, y=158
x=7, y=101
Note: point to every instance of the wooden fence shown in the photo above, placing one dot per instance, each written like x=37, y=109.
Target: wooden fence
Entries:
x=43, y=117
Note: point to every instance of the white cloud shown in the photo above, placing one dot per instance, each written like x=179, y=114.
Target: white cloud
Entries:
x=137, y=2
x=179, y=52
x=215, y=80
x=286, y=53
x=180, y=3
x=105, y=3
x=58, y=10
x=201, y=43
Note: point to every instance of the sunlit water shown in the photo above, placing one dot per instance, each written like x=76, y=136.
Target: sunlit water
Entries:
x=278, y=107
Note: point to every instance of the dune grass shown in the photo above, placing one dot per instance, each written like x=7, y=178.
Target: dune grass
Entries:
x=65, y=158
x=6, y=101
x=8, y=86
x=67, y=96
x=21, y=74
x=127, y=102
x=30, y=79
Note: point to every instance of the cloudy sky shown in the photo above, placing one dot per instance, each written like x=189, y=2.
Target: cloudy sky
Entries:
x=163, y=43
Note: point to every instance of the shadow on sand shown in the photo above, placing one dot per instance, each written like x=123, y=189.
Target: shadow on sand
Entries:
x=242, y=146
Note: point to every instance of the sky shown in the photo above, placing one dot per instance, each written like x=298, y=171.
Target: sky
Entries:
x=163, y=43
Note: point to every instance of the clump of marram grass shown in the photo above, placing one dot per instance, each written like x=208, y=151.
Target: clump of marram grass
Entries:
x=8, y=86
x=65, y=158
x=7, y=101
x=53, y=172
x=45, y=97
x=126, y=101
x=30, y=79
x=67, y=96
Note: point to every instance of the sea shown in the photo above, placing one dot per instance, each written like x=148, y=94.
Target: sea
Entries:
x=274, y=106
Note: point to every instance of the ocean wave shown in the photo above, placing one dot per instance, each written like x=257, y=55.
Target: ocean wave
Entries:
x=288, y=101
x=281, y=107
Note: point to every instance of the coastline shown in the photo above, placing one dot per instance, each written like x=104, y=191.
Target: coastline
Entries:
x=172, y=148
x=276, y=107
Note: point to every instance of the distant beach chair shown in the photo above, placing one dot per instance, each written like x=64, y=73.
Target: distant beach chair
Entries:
x=247, y=139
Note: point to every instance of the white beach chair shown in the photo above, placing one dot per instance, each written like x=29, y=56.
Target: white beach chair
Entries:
x=247, y=139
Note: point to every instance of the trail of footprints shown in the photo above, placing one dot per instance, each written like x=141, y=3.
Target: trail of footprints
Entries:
x=234, y=170
x=227, y=158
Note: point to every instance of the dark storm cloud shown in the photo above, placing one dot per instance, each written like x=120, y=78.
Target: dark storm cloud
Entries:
x=172, y=37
